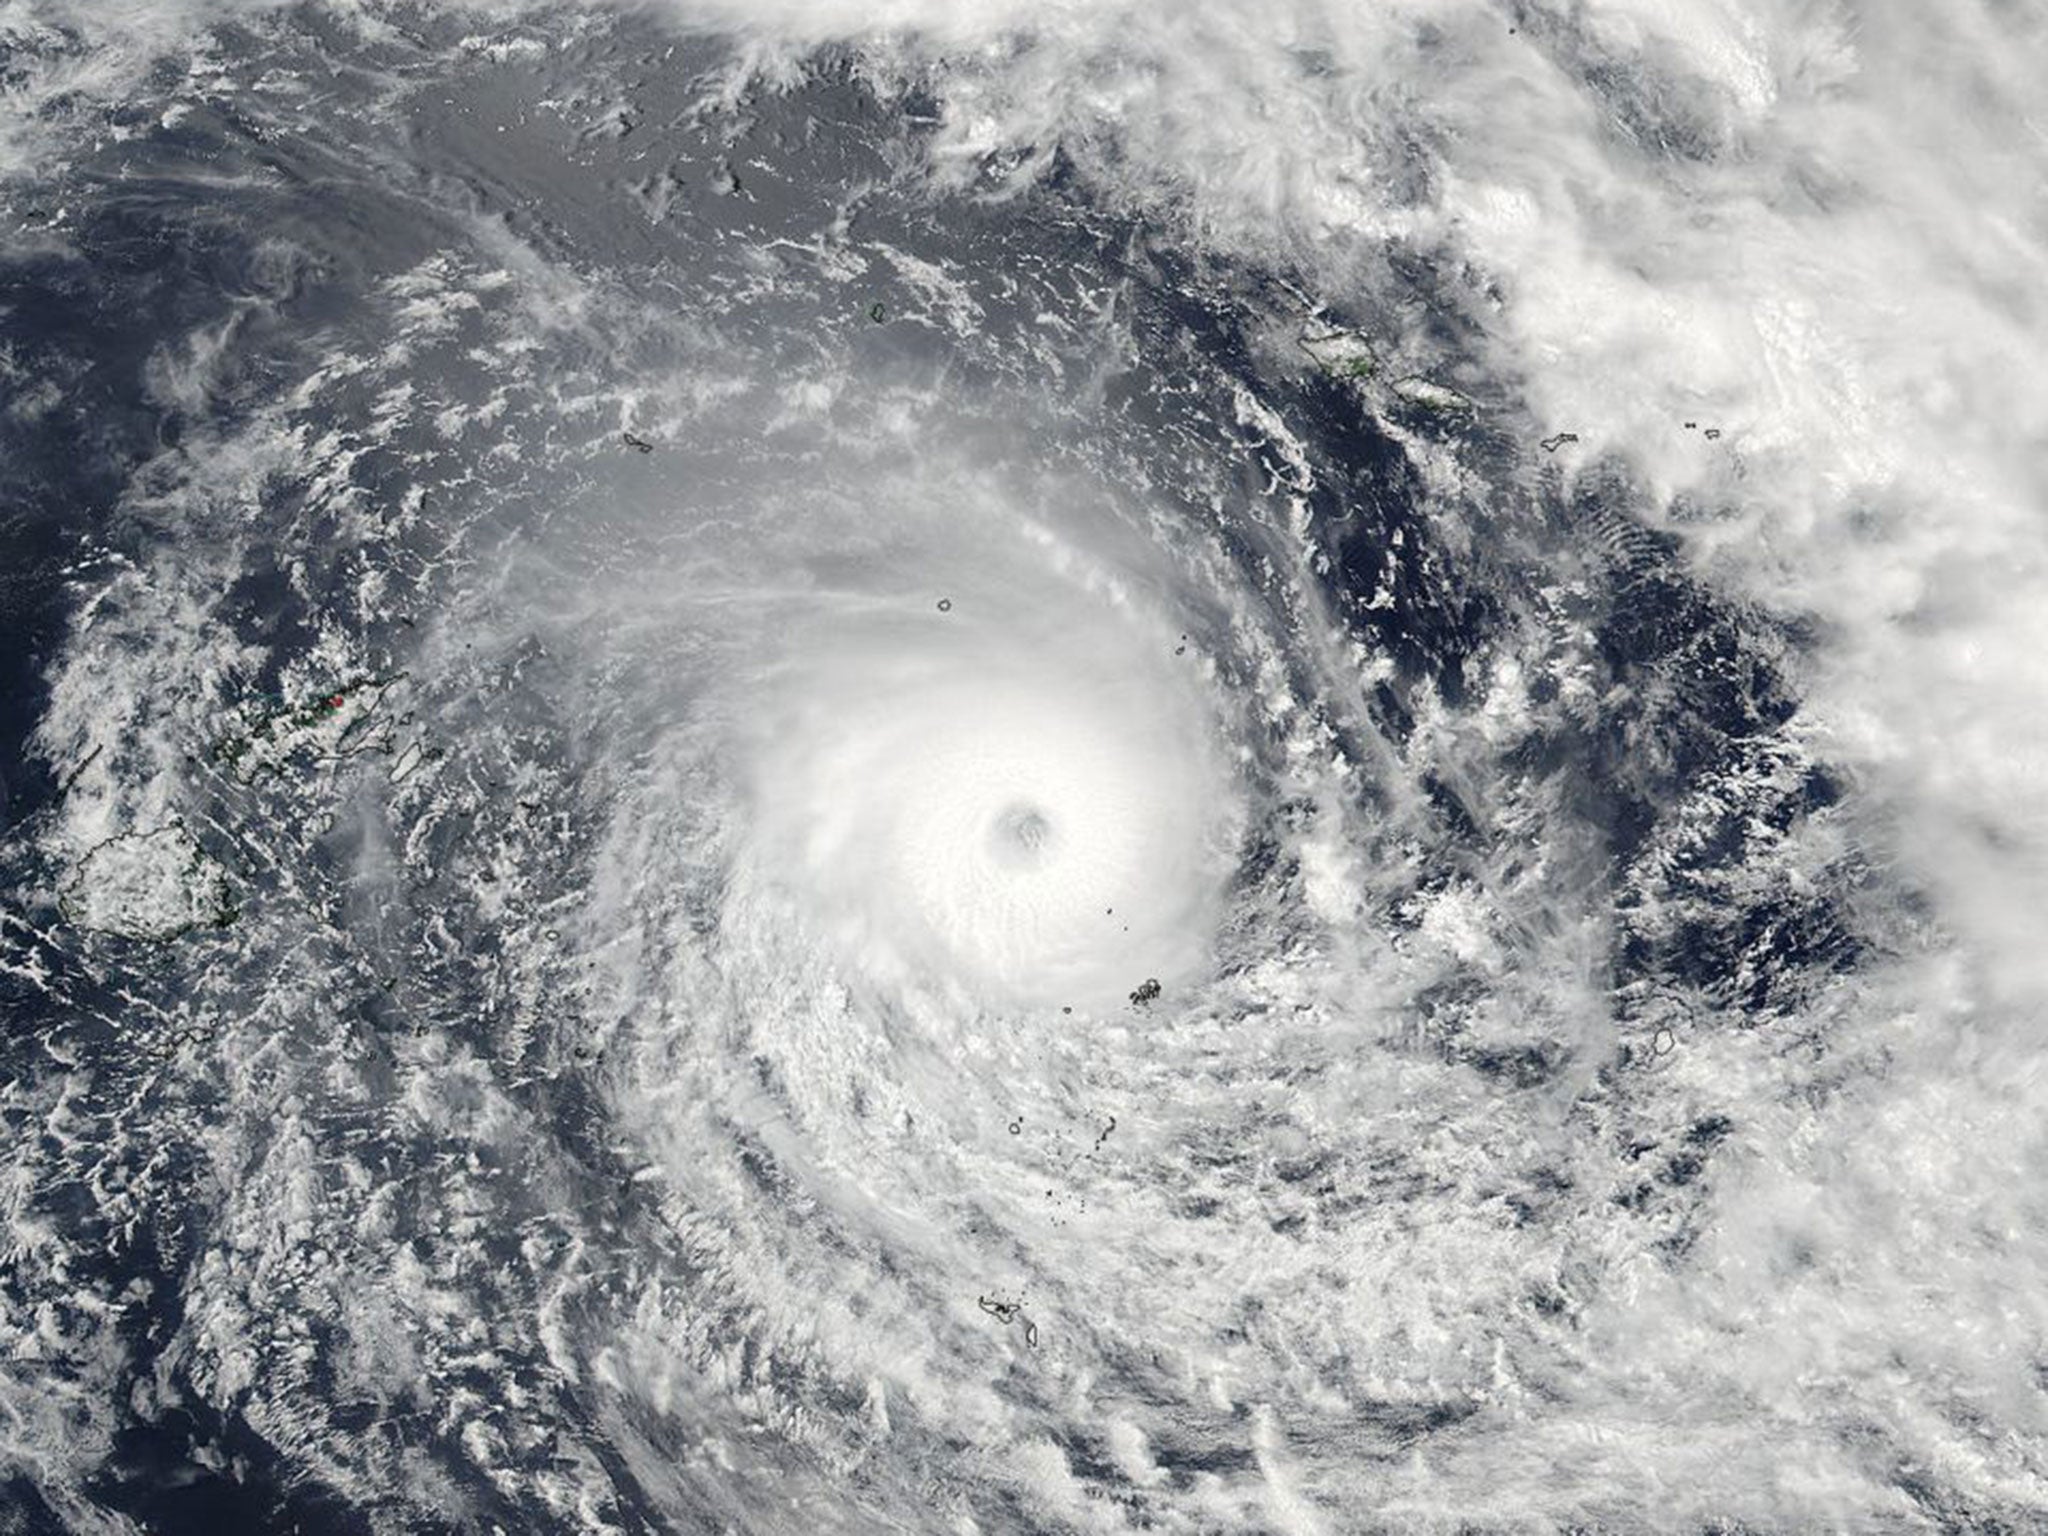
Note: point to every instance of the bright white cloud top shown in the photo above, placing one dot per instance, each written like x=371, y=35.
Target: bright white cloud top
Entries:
x=1012, y=790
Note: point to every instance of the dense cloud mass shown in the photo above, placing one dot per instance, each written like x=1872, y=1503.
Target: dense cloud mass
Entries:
x=808, y=767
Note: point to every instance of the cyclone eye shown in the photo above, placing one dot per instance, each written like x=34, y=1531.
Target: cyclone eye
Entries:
x=1022, y=836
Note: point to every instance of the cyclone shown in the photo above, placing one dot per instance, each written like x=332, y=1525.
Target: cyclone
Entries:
x=967, y=768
